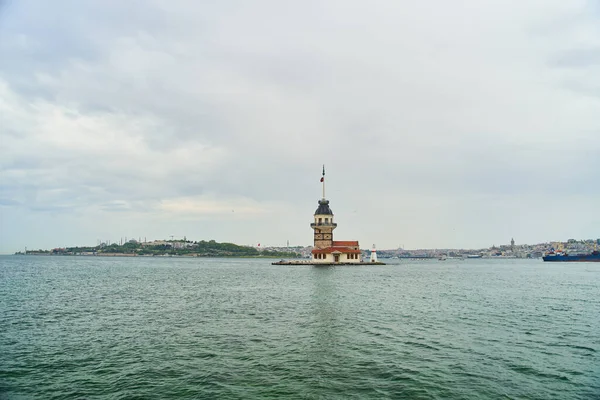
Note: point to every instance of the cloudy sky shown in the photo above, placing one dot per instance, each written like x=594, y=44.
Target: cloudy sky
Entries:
x=441, y=124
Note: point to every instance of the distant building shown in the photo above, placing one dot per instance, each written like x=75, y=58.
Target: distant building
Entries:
x=158, y=243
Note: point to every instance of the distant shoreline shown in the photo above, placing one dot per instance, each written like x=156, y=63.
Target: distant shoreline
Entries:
x=110, y=255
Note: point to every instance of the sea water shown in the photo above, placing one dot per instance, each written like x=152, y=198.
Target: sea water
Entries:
x=196, y=328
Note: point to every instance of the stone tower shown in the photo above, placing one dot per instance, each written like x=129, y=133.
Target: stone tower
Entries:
x=323, y=225
x=326, y=250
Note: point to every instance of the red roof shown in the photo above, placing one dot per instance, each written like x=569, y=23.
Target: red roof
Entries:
x=345, y=243
x=343, y=250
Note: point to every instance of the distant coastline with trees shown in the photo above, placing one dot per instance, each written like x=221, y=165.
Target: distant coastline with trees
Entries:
x=166, y=248
x=211, y=248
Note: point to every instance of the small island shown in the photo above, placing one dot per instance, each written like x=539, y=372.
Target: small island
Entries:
x=326, y=250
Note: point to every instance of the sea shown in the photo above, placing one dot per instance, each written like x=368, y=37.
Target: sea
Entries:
x=198, y=328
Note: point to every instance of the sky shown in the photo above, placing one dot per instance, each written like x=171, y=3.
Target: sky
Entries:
x=441, y=124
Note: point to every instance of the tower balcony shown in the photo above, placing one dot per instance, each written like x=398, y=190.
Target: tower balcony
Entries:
x=323, y=225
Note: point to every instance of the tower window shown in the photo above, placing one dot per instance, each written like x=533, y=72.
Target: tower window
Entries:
x=320, y=220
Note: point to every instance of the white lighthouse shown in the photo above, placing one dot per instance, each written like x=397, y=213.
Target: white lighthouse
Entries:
x=374, y=254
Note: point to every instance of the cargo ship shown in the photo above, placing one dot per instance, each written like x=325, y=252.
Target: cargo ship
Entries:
x=560, y=256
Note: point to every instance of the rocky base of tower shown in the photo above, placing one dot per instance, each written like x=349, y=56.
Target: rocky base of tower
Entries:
x=309, y=262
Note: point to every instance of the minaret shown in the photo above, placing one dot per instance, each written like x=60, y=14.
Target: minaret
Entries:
x=323, y=224
x=512, y=244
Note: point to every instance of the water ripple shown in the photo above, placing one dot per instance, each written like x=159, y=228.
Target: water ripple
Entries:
x=84, y=328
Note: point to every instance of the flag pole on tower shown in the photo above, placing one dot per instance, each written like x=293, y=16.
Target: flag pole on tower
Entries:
x=323, y=180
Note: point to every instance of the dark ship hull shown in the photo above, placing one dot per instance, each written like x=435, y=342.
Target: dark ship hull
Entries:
x=592, y=257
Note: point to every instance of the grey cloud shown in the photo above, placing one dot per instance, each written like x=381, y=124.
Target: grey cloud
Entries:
x=9, y=202
x=56, y=209
x=578, y=58
x=587, y=89
x=115, y=108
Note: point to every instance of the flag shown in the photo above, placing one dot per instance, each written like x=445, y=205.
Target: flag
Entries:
x=323, y=177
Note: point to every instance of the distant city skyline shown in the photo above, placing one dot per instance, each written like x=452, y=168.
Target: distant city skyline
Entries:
x=441, y=125
x=589, y=242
